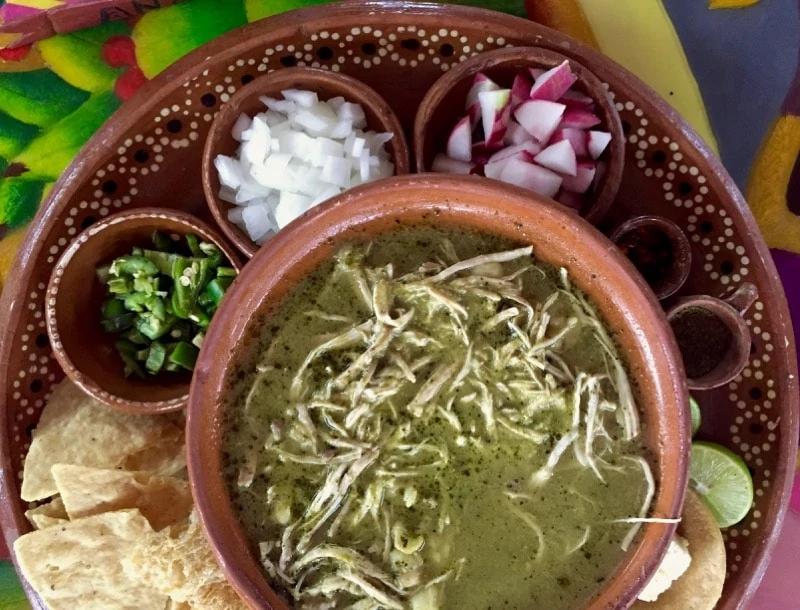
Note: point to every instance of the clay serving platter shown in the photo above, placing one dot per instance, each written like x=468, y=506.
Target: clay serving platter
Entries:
x=149, y=154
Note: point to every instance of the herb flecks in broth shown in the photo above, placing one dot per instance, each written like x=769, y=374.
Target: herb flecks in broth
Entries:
x=438, y=433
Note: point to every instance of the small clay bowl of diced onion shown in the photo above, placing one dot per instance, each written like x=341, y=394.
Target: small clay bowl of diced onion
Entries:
x=129, y=303
x=528, y=117
x=291, y=140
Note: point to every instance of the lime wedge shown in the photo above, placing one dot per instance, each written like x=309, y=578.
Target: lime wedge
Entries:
x=694, y=411
x=722, y=481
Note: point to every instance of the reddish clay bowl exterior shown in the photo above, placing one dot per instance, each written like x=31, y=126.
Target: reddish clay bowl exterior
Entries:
x=326, y=85
x=678, y=273
x=74, y=301
x=558, y=237
x=729, y=310
x=443, y=105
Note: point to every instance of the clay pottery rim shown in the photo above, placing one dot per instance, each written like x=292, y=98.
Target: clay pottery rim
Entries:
x=678, y=272
x=327, y=85
x=559, y=236
x=74, y=300
x=729, y=311
x=443, y=105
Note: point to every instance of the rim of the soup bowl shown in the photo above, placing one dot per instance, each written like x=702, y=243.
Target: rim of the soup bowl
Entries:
x=598, y=268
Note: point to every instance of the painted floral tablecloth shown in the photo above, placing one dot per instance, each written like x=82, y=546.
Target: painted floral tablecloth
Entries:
x=732, y=73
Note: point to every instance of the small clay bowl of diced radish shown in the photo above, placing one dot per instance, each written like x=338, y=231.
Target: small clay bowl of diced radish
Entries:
x=529, y=117
x=291, y=140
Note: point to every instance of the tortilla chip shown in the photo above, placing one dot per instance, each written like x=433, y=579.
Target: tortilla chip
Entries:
x=89, y=491
x=47, y=515
x=700, y=587
x=179, y=562
x=78, y=565
x=76, y=429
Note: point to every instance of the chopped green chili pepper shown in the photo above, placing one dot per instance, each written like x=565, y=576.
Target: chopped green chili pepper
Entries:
x=131, y=265
x=120, y=285
x=200, y=317
x=156, y=357
x=113, y=308
x=216, y=289
x=151, y=327
x=194, y=245
x=134, y=336
x=185, y=355
x=162, y=300
x=103, y=273
x=135, y=301
x=160, y=240
x=226, y=272
x=119, y=323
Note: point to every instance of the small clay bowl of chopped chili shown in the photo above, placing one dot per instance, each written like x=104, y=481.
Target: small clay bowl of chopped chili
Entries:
x=114, y=325
x=712, y=336
x=658, y=249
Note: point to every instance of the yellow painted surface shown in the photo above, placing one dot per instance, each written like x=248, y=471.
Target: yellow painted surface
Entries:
x=40, y=4
x=731, y=3
x=565, y=16
x=8, y=250
x=639, y=35
x=769, y=181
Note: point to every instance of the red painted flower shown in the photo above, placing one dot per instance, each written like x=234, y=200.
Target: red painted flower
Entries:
x=15, y=54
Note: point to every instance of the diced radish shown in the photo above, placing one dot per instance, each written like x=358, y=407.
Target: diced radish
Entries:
x=539, y=118
x=571, y=200
x=582, y=119
x=576, y=137
x=524, y=151
x=494, y=113
x=516, y=134
x=559, y=157
x=445, y=165
x=520, y=90
x=584, y=176
x=536, y=72
x=531, y=177
x=494, y=170
x=554, y=83
x=480, y=83
x=487, y=149
x=576, y=99
x=459, y=144
x=596, y=142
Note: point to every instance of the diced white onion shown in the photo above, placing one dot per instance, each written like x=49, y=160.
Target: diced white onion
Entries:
x=296, y=154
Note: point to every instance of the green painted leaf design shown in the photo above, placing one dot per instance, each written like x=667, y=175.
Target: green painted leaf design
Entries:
x=12, y=597
x=39, y=97
x=14, y=135
x=259, y=9
x=77, y=57
x=189, y=25
x=49, y=154
x=19, y=200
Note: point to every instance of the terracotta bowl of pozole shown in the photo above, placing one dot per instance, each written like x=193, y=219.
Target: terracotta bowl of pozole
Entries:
x=439, y=392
